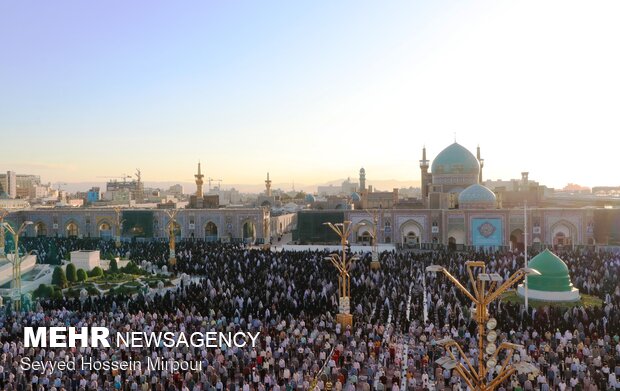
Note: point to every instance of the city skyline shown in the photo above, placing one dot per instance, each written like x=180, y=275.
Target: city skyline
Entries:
x=307, y=92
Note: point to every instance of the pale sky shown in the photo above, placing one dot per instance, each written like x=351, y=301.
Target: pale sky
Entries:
x=309, y=91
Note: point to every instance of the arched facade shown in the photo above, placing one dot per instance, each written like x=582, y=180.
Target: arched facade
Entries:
x=458, y=236
x=517, y=239
x=104, y=229
x=411, y=233
x=248, y=231
x=40, y=229
x=72, y=229
x=563, y=234
x=211, y=232
x=363, y=232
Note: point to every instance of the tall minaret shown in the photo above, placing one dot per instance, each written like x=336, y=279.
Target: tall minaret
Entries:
x=424, y=173
x=268, y=186
x=199, y=182
x=362, y=179
x=481, y=161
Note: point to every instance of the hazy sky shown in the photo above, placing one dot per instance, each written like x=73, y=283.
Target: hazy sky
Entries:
x=310, y=91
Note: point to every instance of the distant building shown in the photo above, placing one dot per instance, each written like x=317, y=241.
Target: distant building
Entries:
x=227, y=197
x=345, y=189
x=456, y=210
x=378, y=199
x=8, y=184
x=250, y=225
x=349, y=187
x=330, y=190
x=26, y=185
x=13, y=203
x=93, y=195
x=176, y=190
x=133, y=189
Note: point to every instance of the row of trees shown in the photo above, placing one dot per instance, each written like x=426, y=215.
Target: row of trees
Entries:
x=62, y=278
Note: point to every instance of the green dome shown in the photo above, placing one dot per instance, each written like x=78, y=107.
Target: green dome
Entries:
x=455, y=159
x=554, y=273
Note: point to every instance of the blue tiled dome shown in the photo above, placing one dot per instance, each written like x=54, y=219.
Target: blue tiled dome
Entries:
x=355, y=197
x=477, y=197
x=455, y=159
x=310, y=198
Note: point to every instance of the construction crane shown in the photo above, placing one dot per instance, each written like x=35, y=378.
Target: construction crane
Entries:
x=219, y=181
x=124, y=177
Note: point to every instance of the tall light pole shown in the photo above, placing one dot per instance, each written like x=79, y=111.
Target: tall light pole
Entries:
x=119, y=224
x=525, y=251
x=343, y=265
x=17, y=262
x=3, y=214
x=481, y=297
x=172, y=213
x=374, y=264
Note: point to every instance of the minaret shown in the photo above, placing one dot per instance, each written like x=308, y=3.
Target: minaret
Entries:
x=268, y=186
x=481, y=161
x=199, y=182
x=424, y=173
x=362, y=179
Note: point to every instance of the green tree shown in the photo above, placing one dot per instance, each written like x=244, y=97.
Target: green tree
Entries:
x=113, y=266
x=43, y=291
x=81, y=275
x=96, y=272
x=59, y=278
x=131, y=268
x=71, y=273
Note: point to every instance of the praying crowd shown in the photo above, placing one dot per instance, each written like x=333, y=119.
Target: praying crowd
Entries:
x=400, y=311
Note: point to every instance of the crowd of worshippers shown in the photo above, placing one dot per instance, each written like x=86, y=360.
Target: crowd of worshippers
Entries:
x=399, y=312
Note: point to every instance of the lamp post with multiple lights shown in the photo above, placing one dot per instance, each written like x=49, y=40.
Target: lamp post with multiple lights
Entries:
x=17, y=262
x=3, y=214
x=119, y=226
x=482, y=296
x=172, y=213
x=343, y=265
x=374, y=264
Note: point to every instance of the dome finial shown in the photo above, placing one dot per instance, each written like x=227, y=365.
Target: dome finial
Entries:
x=455, y=137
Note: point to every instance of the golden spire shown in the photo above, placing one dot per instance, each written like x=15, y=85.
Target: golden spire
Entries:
x=199, y=182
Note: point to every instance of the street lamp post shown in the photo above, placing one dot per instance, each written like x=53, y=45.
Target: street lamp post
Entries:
x=343, y=265
x=119, y=225
x=374, y=264
x=17, y=266
x=481, y=298
x=172, y=213
x=3, y=213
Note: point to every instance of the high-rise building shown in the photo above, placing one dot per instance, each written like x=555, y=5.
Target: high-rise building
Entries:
x=8, y=184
